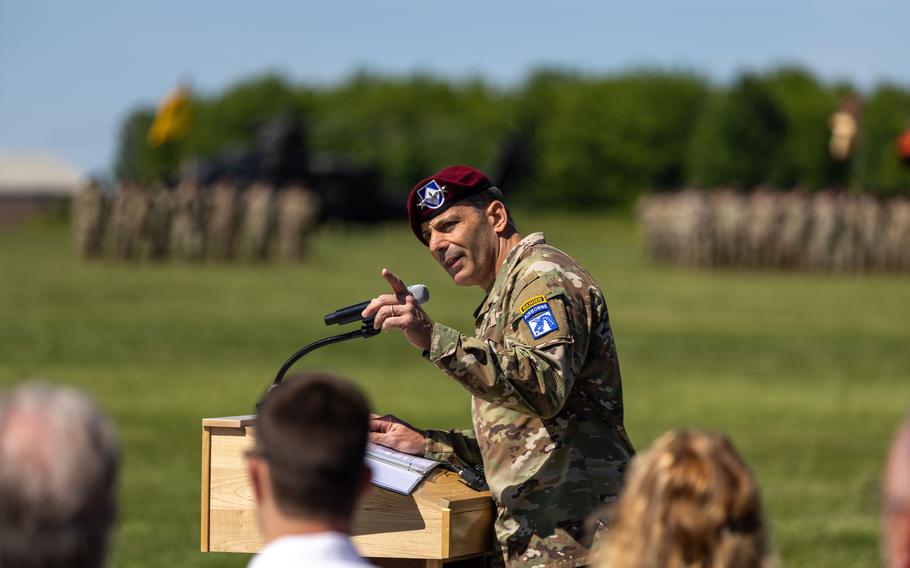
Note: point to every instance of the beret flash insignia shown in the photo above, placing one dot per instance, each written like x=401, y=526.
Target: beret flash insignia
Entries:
x=431, y=195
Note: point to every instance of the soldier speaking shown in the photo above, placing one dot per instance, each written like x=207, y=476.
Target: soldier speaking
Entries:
x=541, y=368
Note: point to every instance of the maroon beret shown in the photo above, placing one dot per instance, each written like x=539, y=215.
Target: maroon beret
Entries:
x=435, y=194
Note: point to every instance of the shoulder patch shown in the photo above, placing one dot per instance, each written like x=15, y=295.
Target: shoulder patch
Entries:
x=538, y=316
x=532, y=302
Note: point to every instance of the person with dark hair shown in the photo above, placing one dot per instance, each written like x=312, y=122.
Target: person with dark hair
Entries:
x=896, y=501
x=307, y=470
x=541, y=367
x=59, y=459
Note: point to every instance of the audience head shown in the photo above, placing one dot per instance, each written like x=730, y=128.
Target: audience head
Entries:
x=59, y=459
x=690, y=501
x=896, y=501
x=308, y=460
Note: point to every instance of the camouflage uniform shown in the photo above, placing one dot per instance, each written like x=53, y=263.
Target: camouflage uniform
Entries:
x=89, y=217
x=547, y=404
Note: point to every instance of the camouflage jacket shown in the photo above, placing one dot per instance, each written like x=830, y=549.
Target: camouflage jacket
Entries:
x=547, y=404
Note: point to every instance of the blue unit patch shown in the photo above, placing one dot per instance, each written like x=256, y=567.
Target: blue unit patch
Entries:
x=431, y=195
x=540, y=320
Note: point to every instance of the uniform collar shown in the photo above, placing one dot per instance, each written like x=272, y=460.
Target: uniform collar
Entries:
x=511, y=260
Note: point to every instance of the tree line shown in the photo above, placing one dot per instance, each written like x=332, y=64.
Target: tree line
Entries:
x=560, y=139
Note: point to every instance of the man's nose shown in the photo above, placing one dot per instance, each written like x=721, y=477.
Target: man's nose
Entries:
x=437, y=244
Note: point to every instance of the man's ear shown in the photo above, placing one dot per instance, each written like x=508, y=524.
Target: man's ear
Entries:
x=498, y=216
x=257, y=477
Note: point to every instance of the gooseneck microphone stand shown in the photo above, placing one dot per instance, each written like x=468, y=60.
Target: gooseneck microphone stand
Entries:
x=471, y=476
x=366, y=330
x=343, y=316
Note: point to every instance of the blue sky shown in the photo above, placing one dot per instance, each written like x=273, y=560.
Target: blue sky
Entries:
x=71, y=71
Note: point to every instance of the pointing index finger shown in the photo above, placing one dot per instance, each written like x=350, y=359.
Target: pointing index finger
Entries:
x=397, y=285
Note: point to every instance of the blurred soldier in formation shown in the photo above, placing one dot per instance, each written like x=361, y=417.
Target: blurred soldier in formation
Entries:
x=762, y=227
x=826, y=225
x=653, y=216
x=699, y=222
x=89, y=215
x=259, y=222
x=859, y=246
x=158, y=221
x=128, y=219
x=729, y=220
x=297, y=215
x=790, y=247
x=190, y=221
x=896, y=238
x=872, y=221
x=693, y=247
x=225, y=221
x=844, y=253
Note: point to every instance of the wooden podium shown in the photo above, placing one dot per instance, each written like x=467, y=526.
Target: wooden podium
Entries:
x=442, y=522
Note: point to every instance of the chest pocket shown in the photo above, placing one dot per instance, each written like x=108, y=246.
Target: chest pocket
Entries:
x=538, y=316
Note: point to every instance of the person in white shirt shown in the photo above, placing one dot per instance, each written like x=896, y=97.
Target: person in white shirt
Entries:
x=307, y=471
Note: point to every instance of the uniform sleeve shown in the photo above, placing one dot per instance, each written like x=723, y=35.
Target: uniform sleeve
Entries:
x=533, y=370
x=443, y=444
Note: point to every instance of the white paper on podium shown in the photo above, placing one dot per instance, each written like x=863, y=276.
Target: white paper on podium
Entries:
x=396, y=471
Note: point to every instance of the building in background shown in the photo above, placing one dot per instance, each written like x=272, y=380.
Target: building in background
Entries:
x=34, y=183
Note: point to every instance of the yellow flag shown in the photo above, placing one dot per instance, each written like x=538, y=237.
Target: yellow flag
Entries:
x=172, y=118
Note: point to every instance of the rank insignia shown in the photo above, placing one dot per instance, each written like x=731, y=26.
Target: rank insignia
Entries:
x=538, y=316
x=431, y=195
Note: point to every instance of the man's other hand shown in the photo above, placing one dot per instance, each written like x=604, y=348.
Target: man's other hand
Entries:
x=397, y=434
x=399, y=310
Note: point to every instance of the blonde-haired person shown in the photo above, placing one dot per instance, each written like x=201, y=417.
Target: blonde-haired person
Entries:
x=690, y=501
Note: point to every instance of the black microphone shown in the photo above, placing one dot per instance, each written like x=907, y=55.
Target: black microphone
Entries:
x=352, y=313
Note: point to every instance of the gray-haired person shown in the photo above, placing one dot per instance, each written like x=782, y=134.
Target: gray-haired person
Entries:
x=59, y=459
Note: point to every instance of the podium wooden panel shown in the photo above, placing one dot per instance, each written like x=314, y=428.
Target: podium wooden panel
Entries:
x=443, y=520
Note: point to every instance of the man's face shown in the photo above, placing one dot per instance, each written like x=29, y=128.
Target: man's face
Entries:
x=463, y=242
x=896, y=505
x=897, y=535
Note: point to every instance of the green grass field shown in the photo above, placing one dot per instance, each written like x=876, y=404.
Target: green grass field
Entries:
x=808, y=374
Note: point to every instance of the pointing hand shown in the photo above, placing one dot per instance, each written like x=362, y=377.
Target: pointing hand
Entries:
x=399, y=310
